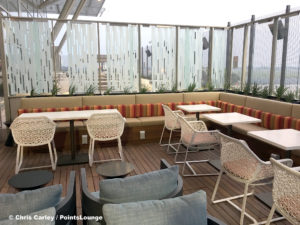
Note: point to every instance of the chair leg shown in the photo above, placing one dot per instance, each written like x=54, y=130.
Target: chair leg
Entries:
x=55, y=153
x=120, y=148
x=169, y=143
x=217, y=185
x=179, y=144
x=21, y=155
x=51, y=156
x=244, y=204
x=17, y=160
x=162, y=134
x=185, y=158
x=271, y=214
x=91, y=152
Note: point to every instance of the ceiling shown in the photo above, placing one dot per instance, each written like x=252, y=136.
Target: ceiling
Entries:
x=90, y=8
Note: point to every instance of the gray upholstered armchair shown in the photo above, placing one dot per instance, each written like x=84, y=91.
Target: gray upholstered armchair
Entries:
x=160, y=184
x=42, y=201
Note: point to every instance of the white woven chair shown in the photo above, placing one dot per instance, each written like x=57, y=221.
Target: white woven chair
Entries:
x=194, y=135
x=34, y=131
x=171, y=124
x=242, y=165
x=286, y=192
x=105, y=127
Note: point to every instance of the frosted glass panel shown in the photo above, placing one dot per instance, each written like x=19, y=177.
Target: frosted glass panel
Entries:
x=122, y=60
x=163, y=57
x=189, y=58
x=28, y=56
x=82, y=44
x=219, y=58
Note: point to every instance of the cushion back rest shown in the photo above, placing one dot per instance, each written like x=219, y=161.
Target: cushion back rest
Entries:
x=233, y=98
x=200, y=96
x=51, y=102
x=149, y=186
x=271, y=106
x=158, y=98
x=108, y=100
x=26, y=202
x=296, y=111
x=188, y=209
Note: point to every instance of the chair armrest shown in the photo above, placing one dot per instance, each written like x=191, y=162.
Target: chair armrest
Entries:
x=287, y=162
x=67, y=207
x=190, y=119
x=296, y=168
x=178, y=112
x=179, y=190
x=91, y=206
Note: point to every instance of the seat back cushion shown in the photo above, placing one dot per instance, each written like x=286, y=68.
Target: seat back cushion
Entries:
x=51, y=102
x=158, y=98
x=26, y=202
x=149, y=186
x=233, y=98
x=108, y=100
x=42, y=217
x=296, y=111
x=200, y=96
x=271, y=106
x=188, y=209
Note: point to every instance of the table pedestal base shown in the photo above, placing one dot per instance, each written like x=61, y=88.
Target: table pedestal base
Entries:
x=64, y=160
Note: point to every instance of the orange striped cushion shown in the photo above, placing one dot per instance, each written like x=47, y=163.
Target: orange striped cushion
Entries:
x=296, y=124
x=277, y=121
x=266, y=120
x=20, y=111
x=37, y=110
x=51, y=110
x=98, y=107
x=77, y=108
x=160, y=110
x=87, y=107
x=239, y=108
x=230, y=107
x=287, y=122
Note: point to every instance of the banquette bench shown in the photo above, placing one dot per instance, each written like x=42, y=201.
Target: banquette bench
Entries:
x=144, y=111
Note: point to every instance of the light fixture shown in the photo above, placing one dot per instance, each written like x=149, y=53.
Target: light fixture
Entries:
x=281, y=29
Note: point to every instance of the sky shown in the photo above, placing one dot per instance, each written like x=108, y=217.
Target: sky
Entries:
x=192, y=12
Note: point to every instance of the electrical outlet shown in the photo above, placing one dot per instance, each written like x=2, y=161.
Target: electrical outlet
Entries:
x=84, y=139
x=142, y=134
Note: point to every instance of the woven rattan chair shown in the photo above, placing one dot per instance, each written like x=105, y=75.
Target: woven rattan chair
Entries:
x=286, y=192
x=105, y=127
x=242, y=165
x=171, y=124
x=33, y=131
x=195, y=136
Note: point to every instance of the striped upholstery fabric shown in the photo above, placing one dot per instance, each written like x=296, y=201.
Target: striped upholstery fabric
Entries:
x=36, y=110
x=269, y=120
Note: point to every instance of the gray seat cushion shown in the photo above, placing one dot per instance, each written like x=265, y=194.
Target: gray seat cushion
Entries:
x=188, y=209
x=26, y=202
x=42, y=217
x=149, y=186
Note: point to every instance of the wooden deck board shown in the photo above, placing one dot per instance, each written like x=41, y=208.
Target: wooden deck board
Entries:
x=145, y=158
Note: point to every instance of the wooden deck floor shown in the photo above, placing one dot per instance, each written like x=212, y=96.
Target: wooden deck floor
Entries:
x=145, y=158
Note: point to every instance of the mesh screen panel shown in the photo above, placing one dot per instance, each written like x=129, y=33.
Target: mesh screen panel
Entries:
x=237, y=57
x=293, y=56
x=262, y=55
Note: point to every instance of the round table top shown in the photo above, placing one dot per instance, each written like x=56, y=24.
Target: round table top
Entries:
x=114, y=169
x=30, y=179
